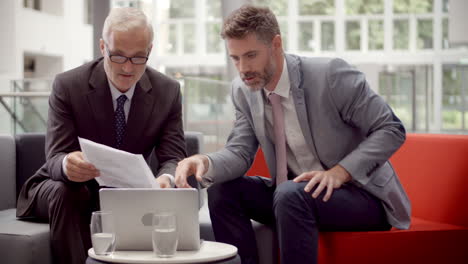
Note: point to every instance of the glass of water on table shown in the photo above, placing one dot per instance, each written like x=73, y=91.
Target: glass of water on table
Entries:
x=102, y=232
x=164, y=234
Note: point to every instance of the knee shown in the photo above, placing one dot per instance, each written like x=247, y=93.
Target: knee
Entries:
x=73, y=196
x=217, y=194
x=221, y=193
x=287, y=195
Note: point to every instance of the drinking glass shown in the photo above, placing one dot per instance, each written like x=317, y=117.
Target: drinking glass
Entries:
x=102, y=232
x=164, y=234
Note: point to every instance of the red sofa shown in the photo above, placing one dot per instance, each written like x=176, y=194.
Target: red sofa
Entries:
x=434, y=171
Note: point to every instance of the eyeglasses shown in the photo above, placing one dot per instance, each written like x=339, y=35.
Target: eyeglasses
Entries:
x=138, y=60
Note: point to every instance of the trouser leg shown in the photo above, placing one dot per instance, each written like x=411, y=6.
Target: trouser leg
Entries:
x=232, y=204
x=67, y=208
x=299, y=217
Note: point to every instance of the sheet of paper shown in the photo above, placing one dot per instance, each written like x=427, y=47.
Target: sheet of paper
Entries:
x=118, y=168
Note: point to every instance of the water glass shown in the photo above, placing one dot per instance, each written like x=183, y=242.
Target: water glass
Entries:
x=102, y=232
x=164, y=234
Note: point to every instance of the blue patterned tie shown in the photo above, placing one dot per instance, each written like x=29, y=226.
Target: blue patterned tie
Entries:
x=120, y=120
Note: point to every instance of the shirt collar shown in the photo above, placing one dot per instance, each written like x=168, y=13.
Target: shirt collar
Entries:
x=283, y=86
x=116, y=93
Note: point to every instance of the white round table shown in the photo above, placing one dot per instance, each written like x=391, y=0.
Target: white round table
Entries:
x=209, y=252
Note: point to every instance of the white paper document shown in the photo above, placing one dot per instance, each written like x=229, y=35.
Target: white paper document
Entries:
x=118, y=168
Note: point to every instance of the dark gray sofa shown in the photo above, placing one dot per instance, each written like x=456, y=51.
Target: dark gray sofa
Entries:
x=26, y=242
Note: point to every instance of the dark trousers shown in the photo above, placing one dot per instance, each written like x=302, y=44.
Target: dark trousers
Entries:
x=296, y=216
x=67, y=207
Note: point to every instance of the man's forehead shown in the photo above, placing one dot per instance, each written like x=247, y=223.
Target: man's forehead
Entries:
x=239, y=47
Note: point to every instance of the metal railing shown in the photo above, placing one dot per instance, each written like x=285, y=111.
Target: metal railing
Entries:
x=207, y=108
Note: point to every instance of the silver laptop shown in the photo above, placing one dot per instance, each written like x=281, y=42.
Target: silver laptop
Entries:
x=133, y=209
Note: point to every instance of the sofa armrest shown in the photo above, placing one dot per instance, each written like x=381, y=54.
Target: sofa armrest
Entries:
x=30, y=156
x=8, y=172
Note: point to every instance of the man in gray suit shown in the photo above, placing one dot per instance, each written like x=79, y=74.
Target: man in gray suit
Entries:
x=117, y=101
x=326, y=137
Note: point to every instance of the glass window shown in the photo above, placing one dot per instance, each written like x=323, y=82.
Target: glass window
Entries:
x=171, y=46
x=214, y=42
x=33, y=4
x=424, y=40
x=353, y=35
x=412, y=6
x=445, y=29
x=279, y=7
x=328, y=36
x=423, y=75
x=358, y=7
x=189, y=38
x=408, y=90
x=445, y=6
x=213, y=8
x=283, y=24
x=376, y=35
x=182, y=9
x=453, y=113
x=401, y=34
x=396, y=89
x=317, y=7
x=88, y=12
x=306, y=36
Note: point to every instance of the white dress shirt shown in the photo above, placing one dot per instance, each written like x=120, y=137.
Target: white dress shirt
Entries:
x=299, y=156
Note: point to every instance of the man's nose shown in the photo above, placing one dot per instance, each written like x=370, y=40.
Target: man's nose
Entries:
x=127, y=66
x=243, y=66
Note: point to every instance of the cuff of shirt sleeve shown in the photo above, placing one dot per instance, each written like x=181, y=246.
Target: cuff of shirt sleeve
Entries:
x=171, y=179
x=64, y=165
x=208, y=177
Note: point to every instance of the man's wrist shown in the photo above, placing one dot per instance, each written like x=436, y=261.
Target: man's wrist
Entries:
x=344, y=174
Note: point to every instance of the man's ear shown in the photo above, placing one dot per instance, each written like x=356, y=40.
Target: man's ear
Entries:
x=102, y=47
x=277, y=43
x=150, y=49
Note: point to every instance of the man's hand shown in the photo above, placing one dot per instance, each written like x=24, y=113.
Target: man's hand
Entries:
x=79, y=170
x=197, y=164
x=164, y=181
x=330, y=179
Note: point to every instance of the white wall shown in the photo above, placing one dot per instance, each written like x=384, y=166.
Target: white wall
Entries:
x=9, y=51
x=47, y=66
x=60, y=36
x=53, y=7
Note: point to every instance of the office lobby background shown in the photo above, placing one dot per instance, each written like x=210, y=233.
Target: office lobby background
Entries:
x=413, y=52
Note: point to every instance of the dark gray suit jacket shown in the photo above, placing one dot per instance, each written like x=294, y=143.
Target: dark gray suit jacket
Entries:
x=343, y=121
x=80, y=105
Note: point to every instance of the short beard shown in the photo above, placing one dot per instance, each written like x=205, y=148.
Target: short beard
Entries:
x=265, y=77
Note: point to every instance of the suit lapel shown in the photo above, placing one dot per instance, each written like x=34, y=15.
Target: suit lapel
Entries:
x=295, y=78
x=100, y=101
x=140, y=111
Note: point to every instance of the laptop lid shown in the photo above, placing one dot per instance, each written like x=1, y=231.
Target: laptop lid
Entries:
x=133, y=210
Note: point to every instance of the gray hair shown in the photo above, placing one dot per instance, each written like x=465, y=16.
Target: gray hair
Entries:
x=124, y=19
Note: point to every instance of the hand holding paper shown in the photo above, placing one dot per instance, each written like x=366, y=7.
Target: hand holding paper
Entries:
x=118, y=168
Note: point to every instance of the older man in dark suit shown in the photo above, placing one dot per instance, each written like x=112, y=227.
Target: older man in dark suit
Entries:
x=117, y=101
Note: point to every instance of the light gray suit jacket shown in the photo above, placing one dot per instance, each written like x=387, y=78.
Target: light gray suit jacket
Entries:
x=343, y=121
